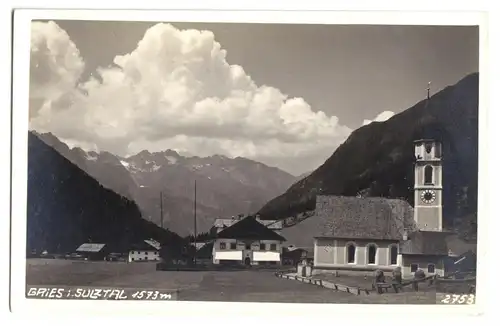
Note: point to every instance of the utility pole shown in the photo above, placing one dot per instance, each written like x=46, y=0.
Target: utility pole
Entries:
x=195, y=233
x=161, y=209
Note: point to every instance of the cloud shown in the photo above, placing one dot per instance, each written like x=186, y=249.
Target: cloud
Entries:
x=174, y=91
x=386, y=115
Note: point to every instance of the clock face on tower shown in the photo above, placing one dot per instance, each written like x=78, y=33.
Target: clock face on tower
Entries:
x=428, y=196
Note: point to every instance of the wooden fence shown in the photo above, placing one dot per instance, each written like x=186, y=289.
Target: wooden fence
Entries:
x=438, y=283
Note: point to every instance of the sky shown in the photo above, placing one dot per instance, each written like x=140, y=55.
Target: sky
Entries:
x=283, y=95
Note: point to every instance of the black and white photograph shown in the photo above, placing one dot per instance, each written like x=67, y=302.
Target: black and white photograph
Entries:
x=267, y=162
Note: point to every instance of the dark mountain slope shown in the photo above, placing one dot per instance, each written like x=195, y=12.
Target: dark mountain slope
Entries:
x=66, y=207
x=377, y=159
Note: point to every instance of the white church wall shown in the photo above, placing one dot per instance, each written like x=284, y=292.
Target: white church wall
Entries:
x=333, y=253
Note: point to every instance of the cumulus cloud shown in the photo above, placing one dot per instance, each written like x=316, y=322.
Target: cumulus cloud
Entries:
x=386, y=115
x=175, y=90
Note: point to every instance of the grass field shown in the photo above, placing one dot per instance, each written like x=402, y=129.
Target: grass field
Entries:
x=233, y=286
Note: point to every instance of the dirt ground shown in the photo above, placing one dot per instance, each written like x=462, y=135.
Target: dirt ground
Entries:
x=231, y=286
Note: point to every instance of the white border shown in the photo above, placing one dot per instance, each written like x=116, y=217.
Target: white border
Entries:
x=19, y=162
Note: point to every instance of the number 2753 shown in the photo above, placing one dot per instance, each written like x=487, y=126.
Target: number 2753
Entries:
x=459, y=299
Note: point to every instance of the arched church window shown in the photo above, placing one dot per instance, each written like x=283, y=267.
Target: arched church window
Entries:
x=393, y=259
x=372, y=253
x=428, y=170
x=351, y=253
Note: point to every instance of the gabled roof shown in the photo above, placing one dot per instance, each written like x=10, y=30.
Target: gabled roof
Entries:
x=91, y=247
x=362, y=218
x=249, y=229
x=146, y=245
x=425, y=243
x=227, y=222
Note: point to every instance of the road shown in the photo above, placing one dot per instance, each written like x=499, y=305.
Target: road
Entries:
x=233, y=286
x=228, y=286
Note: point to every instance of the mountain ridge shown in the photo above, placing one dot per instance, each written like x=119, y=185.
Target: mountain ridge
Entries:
x=226, y=186
x=377, y=159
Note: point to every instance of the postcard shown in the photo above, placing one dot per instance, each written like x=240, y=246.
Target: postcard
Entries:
x=233, y=160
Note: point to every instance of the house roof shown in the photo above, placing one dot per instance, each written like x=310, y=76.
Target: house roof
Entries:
x=91, y=247
x=226, y=222
x=146, y=245
x=198, y=245
x=362, y=218
x=425, y=243
x=249, y=229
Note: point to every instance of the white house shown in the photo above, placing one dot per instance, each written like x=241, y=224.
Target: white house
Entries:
x=247, y=242
x=365, y=234
x=147, y=250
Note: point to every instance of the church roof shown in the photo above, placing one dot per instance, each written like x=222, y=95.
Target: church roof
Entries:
x=425, y=243
x=249, y=229
x=362, y=218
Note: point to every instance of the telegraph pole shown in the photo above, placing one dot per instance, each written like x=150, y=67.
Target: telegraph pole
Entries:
x=195, y=233
x=161, y=209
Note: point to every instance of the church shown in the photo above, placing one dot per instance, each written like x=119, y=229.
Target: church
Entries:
x=367, y=234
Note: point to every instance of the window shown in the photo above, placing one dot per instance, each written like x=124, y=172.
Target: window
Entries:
x=393, y=255
x=222, y=245
x=428, y=148
x=146, y=253
x=372, y=253
x=233, y=246
x=351, y=253
x=273, y=246
x=428, y=175
x=132, y=252
x=431, y=268
x=133, y=259
x=138, y=252
x=262, y=246
x=248, y=246
x=413, y=268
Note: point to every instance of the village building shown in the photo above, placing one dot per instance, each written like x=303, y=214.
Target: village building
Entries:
x=147, y=250
x=93, y=251
x=367, y=234
x=247, y=242
x=292, y=255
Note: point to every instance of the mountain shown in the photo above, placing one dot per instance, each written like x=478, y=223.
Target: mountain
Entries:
x=66, y=207
x=377, y=159
x=225, y=186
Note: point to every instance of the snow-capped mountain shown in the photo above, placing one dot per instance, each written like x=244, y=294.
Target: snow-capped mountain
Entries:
x=225, y=186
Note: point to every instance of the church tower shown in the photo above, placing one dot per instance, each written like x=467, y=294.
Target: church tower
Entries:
x=428, y=212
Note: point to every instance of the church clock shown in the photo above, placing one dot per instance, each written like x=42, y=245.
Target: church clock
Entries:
x=428, y=196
